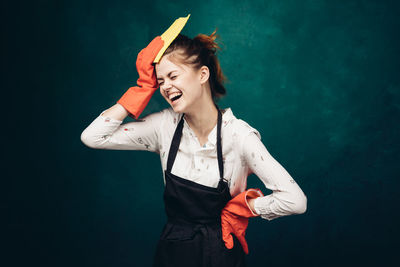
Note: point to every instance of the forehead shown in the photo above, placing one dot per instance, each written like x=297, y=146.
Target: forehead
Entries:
x=165, y=65
x=169, y=63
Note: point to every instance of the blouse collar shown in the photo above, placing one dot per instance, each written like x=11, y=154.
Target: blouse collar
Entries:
x=227, y=116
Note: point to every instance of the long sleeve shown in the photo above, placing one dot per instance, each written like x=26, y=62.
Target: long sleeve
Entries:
x=109, y=133
x=287, y=197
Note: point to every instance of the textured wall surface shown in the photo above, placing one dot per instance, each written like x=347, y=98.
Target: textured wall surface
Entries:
x=319, y=79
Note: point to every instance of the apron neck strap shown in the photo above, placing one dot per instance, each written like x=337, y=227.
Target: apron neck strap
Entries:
x=177, y=139
x=219, y=146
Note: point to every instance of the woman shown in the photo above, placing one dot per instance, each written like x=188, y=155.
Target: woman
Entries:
x=206, y=154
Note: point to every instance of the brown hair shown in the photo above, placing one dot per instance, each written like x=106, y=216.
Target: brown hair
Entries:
x=201, y=51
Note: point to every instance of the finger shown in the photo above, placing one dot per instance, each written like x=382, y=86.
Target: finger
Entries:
x=228, y=240
x=243, y=242
x=153, y=48
x=154, y=43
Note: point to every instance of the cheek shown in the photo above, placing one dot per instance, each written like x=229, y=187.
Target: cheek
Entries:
x=186, y=85
x=179, y=84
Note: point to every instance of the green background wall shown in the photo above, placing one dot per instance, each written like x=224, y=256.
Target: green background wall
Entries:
x=319, y=80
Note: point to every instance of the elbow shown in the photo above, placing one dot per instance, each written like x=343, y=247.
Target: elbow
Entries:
x=87, y=140
x=300, y=206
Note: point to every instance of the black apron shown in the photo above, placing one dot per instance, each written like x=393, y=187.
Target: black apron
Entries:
x=192, y=237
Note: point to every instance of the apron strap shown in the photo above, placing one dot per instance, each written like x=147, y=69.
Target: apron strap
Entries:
x=173, y=150
x=177, y=139
x=219, y=146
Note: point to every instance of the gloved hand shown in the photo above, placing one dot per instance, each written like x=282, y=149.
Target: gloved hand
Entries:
x=235, y=218
x=136, y=98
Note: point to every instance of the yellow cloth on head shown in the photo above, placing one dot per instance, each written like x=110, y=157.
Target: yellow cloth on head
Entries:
x=169, y=35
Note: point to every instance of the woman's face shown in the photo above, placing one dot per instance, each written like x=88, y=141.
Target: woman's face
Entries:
x=178, y=80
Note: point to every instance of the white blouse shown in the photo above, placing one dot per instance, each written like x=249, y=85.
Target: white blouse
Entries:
x=242, y=149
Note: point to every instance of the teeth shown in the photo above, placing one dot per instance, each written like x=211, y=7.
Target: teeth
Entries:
x=173, y=95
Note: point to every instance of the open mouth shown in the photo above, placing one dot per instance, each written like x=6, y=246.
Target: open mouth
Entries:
x=176, y=97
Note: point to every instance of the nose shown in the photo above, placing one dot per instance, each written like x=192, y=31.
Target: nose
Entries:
x=166, y=87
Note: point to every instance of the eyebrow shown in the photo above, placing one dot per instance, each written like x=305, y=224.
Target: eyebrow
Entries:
x=169, y=74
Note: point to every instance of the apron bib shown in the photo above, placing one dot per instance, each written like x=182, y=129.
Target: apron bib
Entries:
x=192, y=236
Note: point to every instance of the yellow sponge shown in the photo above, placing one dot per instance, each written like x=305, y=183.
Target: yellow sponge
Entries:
x=169, y=35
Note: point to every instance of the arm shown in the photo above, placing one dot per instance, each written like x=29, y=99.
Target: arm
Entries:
x=116, y=112
x=287, y=197
x=108, y=132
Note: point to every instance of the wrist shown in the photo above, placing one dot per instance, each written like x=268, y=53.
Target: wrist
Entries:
x=135, y=99
x=251, y=196
x=250, y=203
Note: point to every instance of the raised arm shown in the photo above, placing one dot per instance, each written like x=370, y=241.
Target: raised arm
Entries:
x=108, y=132
x=116, y=112
x=287, y=197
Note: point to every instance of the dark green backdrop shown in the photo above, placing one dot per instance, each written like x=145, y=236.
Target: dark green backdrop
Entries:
x=319, y=80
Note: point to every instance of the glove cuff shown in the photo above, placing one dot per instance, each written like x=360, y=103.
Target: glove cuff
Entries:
x=251, y=194
x=136, y=99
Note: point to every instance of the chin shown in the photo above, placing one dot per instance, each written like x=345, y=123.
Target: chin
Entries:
x=178, y=109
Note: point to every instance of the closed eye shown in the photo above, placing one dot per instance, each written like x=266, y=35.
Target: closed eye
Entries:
x=172, y=78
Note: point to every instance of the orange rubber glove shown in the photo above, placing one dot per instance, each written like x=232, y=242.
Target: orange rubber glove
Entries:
x=235, y=218
x=136, y=98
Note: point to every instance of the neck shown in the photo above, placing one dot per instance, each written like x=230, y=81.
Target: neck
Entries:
x=203, y=119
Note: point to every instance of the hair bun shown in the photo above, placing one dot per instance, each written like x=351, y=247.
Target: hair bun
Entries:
x=208, y=41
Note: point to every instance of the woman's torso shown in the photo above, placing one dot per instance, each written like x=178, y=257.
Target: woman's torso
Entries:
x=199, y=163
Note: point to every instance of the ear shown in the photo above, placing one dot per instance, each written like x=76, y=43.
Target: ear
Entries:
x=204, y=74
